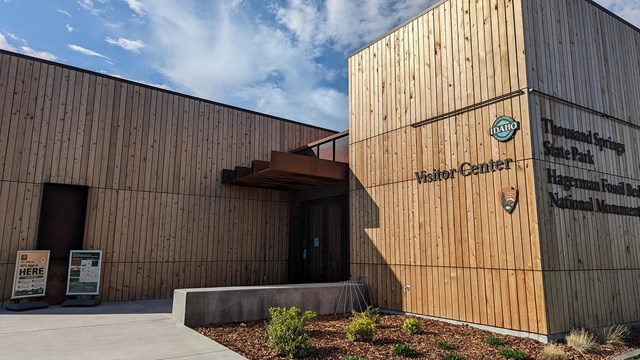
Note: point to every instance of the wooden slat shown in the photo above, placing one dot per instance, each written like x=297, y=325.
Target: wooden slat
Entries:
x=152, y=161
x=465, y=257
x=480, y=264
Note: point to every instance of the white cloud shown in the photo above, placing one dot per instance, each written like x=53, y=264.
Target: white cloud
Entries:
x=220, y=51
x=626, y=9
x=16, y=38
x=136, y=6
x=156, y=85
x=345, y=24
x=66, y=13
x=90, y=6
x=70, y=28
x=39, y=54
x=4, y=44
x=87, y=52
x=113, y=26
x=130, y=45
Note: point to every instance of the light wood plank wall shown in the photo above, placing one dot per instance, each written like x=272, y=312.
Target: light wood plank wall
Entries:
x=581, y=54
x=463, y=256
x=153, y=162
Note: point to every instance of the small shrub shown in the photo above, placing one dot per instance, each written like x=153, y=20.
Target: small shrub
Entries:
x=404, y=350
x=513, y=354
x=582, y=341
x=454, y=356
x=353, y=358
x=412, y=326
x=445, y=345
x=361, y=329
x=286, y=331
x=364, y=325
x=496, y=341
x=243, y=325
x=553, y=352
x=370, y=313
x=615, y=335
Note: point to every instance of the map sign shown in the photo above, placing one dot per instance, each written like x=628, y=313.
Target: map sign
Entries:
x=84, y=272
x=30, y=279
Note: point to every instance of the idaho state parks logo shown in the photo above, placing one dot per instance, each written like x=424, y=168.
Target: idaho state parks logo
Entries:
x=504, y=128
x=508, y=198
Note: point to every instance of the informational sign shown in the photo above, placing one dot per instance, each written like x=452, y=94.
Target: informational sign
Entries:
x=504, y=128
x=84, y=272
x=508, y=198
x=30, y=279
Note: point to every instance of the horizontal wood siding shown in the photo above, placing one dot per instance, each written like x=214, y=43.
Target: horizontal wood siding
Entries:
x=153, y=162
x=445, y=249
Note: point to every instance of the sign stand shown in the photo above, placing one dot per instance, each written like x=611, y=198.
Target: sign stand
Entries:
x=76, y=302
x=16, y=305
x=30, y=280
x=83, y=279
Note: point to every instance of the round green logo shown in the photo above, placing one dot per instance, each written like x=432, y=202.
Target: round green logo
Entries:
x=504, y=128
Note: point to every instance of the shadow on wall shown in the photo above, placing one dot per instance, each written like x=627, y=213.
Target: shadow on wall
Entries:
x=374, y=252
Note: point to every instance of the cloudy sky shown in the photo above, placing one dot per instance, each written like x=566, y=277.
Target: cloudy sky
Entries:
x=283, y=57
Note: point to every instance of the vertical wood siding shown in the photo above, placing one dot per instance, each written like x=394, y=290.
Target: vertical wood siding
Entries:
x=463, y=256
x=579, y=53
x=153, y=162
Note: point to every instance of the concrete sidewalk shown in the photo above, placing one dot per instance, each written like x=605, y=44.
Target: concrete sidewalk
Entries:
x=123, y=330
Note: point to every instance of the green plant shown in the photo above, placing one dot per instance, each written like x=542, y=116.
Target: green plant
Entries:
x=404, y=350
x=615, y=335
x=243, y=325
x=370, y=313
x=364, y=325
x=582, y=341
x=286, y=331
x=412, y=326
x=495, y=341
x=513, y=354
x=349, y=357
x=445, y=345
x=454, y=356
x=552, y=352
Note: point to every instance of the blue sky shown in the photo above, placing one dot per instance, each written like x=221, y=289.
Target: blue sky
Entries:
x=282, y=57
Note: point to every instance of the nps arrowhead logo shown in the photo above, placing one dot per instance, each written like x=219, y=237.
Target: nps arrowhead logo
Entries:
x=508, y=198
x=504, y=128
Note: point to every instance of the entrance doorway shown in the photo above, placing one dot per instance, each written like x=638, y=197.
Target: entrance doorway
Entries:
x=324, y=240
x=61, y=229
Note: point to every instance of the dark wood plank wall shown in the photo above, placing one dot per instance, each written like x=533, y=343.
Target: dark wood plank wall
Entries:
x=591, y=260
x=153, y=162
x=463, y=256
x=580, y=53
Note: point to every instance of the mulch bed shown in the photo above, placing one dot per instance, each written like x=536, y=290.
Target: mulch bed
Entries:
x=328, y=340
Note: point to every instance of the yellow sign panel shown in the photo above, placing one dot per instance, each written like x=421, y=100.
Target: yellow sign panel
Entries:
x=30, y=279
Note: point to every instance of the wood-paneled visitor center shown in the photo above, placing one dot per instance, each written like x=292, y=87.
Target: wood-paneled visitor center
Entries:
x=490, y=174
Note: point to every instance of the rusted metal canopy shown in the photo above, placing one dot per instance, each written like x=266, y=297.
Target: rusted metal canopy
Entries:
x=287, y=171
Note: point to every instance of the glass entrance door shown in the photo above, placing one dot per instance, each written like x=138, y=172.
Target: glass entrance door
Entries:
x=324, y=241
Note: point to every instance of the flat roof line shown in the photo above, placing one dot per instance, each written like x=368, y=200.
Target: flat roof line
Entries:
x=172, y=92
x=435, y=5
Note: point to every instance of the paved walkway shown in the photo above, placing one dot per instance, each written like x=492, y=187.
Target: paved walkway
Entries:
x=124, y=330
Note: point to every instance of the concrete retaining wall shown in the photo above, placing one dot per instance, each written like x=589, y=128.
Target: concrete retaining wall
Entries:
x=193, y=307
